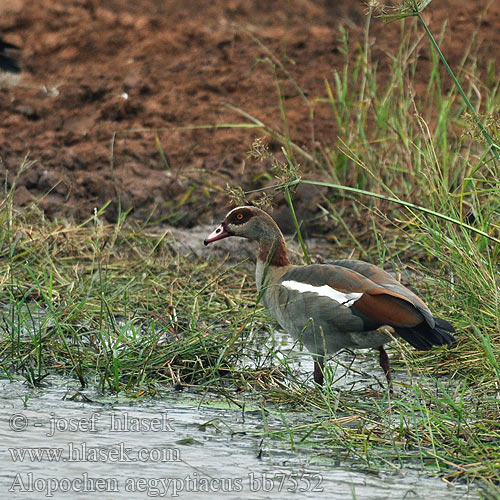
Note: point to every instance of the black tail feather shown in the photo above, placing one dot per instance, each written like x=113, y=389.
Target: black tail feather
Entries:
x=443, y=324
x=7, y=57
x=423, y=337
x=9, y=64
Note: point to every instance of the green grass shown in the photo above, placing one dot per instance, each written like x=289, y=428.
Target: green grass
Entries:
x=118, y=306
x=114, y=305
x=425, y=168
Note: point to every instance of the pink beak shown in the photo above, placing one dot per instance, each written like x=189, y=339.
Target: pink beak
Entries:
x=218, y=234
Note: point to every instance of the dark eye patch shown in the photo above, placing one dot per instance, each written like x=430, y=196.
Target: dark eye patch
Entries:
x=240, y=216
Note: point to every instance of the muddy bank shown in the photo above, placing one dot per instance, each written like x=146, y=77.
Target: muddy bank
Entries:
x=104, y=89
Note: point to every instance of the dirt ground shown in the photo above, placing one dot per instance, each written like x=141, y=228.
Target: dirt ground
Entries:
x=105, y=83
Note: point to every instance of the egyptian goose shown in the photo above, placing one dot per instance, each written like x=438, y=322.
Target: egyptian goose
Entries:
x=342, y=304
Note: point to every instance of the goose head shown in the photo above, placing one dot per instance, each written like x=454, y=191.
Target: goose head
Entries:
x=247, y=222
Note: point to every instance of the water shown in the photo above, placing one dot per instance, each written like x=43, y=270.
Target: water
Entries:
x=173, y=447
x=58, y=441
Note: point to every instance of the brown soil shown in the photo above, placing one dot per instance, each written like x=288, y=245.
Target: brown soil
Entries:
x=138, y=70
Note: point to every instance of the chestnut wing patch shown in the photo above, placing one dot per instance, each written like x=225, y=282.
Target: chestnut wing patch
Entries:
x=377, y=304
x=386, y=309
x=381, y=278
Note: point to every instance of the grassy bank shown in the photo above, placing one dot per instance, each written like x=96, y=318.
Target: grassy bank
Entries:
x=119, y=306
x=424, y=166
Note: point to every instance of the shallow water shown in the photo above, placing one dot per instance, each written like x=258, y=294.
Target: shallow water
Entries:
x=59, y=441
x=168, y=447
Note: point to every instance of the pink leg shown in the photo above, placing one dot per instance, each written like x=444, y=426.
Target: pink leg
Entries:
x=318, y=372
x=384, y=363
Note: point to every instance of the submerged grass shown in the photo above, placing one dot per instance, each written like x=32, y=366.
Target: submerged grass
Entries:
x=119, y=306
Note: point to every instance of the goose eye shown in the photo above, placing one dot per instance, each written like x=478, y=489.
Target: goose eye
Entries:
x=239, y=216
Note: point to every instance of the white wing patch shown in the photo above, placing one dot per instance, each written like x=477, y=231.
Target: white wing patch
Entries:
x=346, y=299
